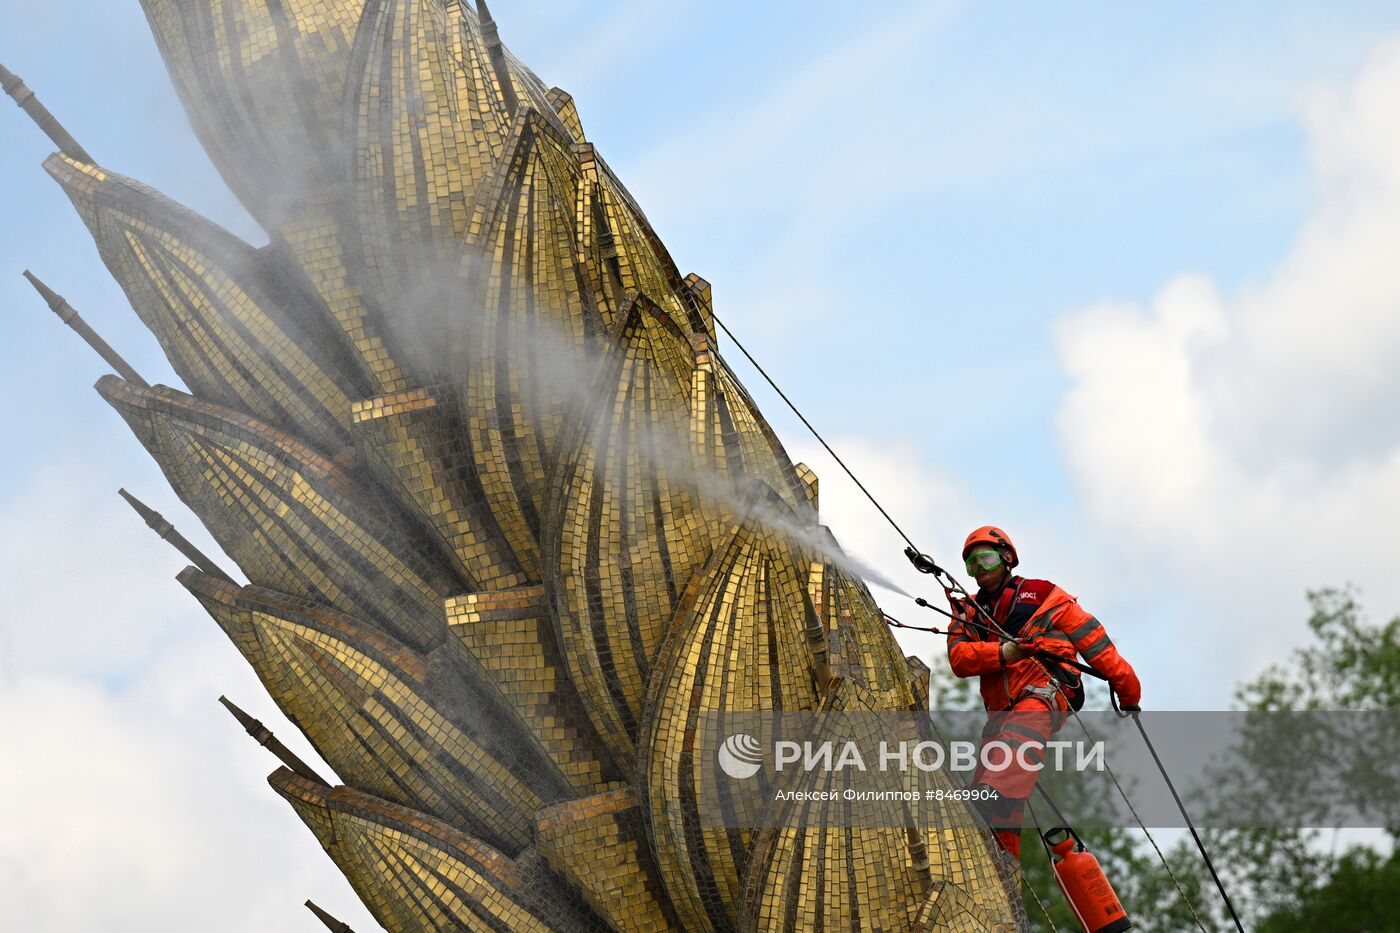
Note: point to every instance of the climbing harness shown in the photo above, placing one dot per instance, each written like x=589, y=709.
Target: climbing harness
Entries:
x=1025, y=643
x=925, y=564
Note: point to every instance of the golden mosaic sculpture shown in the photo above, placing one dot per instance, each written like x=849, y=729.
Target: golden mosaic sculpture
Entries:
x=510, y=522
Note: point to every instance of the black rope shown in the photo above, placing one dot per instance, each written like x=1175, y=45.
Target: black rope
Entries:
x=1051, y=859
x=1220, y=886
x=1161, y=856
x=953, y=584
x=1064, y=820
x=892, y=622
x=803, y=418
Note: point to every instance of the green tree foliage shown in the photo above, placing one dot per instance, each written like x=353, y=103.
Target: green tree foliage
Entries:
x=1293, y=879
x=1350, y=665
x=1361, y=894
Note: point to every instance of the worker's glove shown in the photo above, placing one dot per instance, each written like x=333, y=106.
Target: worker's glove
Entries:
x=1014, y=652
x=1033, y=646
x=922, y=562
x=1039, y=644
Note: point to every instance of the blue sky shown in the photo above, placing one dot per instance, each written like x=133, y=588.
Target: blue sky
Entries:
x=1113, y=276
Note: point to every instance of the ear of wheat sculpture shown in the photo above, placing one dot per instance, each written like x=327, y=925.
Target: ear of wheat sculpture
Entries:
x=510, y=523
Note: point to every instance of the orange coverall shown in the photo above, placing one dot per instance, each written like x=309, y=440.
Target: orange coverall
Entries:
x=1027, y=705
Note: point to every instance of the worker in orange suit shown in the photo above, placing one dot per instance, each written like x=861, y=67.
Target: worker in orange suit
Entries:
x=1028, y=696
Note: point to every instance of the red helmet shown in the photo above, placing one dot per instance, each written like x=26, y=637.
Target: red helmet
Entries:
x=990, y=534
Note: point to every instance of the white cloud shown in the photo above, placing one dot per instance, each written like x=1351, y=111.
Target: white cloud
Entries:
x=788, y=127
x=1249, y=440
x=801, y=158
x=1242, y=439
x=921, y=498
x=866, y=133
x=131, y=800
x=88, y=588
x=146, y=809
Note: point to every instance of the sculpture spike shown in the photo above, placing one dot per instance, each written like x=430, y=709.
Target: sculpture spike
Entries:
x=264, y=737
x=73, y=319
x=492, y=35
x=157, y=523
x=30, y=104
x=331, y=923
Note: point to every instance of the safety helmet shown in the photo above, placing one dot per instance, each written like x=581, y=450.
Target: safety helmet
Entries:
x=990, y=534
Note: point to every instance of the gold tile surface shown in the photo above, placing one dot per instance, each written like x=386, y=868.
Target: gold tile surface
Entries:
x=748, y=605
x=860, y=649
x=626, y=524
x=413, y=443
x=369, y=706
x=599, y=845
x=215, y=304
x=506, y=638
x=415, y=873
x=289, y=516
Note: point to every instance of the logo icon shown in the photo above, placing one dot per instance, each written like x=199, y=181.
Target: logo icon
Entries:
x=740, y=756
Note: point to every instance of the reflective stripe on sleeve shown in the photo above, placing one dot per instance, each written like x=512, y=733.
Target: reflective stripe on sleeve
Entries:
x=1085, y=629
x=1100, y=645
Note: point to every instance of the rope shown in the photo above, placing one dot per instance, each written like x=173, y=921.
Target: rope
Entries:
x=1176, y=883
x=803, y=418
x=1191, y=908
x=992, y=626
x=1050, y=858
x=1064, y=820
x=1039, y=903
x=892, y=622
x=1192, y=826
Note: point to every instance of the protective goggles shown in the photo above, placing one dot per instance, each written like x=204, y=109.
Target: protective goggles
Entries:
x=982, y=559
